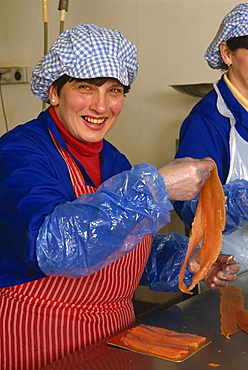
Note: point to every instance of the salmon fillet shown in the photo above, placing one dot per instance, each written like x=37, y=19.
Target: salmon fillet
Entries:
x=231, y=301
x=242, y=319
x=153, y=347
x=208, y=224
x=161, y=342
x=190, y=340
x=148, y=333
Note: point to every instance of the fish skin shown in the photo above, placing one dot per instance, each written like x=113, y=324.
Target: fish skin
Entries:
x=208, y=224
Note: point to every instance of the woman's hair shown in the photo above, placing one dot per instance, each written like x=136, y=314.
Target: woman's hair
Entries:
x=98, y=81
x=234, y=43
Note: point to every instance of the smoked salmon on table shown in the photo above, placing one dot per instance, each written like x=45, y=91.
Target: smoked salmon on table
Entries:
x=208, y=224
x=231, y=300
x=232, y=311
x=158, y=342
x=170, y=336
x=242, y=319
x=153, y=347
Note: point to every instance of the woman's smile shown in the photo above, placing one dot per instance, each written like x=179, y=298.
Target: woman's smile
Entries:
x=94, y=121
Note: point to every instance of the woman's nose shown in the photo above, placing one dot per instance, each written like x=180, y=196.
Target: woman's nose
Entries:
x=99, y=103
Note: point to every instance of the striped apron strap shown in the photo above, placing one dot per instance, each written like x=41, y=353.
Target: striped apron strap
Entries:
x=77, y=179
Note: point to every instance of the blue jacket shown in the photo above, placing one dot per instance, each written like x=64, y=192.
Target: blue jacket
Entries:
x=205, y=133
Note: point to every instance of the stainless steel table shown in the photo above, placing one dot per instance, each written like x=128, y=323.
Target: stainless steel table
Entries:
x=198, y=315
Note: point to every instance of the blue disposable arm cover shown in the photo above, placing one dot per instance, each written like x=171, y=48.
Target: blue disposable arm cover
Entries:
x=83, y=236
x=236, y=206
x=164, y=263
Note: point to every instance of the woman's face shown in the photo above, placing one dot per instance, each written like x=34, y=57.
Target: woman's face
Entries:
x=88, y=111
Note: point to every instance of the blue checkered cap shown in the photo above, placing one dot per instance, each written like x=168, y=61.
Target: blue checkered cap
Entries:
x=234, y=24
x=86, y=51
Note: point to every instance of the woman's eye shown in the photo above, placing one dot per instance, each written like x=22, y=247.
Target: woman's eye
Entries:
x=84, y=87
x=117, y=91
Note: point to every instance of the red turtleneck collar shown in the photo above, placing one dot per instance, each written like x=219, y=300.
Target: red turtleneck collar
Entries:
x=88, y=155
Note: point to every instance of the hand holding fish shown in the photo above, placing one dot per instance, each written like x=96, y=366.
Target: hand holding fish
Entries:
x=222, y=272
x=184, y=177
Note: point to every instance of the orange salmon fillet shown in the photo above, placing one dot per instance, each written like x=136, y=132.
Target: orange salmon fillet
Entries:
x=154, y=348
x=231, y=300
x=242, y=319
x=208, y=224
x=161, y=342
x=152, y=332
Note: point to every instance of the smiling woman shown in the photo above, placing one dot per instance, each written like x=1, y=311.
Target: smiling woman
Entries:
x=77, y=222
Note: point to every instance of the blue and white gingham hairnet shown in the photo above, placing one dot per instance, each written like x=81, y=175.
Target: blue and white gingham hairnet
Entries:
x=86, y=51
x=234, y=24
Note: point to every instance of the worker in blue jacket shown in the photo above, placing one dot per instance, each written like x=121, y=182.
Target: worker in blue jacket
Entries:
x=78, y=224
x=217, y=127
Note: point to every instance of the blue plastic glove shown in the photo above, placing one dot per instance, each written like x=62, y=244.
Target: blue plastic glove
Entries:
x=81, y=237
x=164, y=263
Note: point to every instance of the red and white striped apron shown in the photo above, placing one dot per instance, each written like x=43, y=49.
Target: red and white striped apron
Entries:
x=47, y=319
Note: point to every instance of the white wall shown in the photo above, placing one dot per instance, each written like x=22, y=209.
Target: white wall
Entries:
x=171, y=35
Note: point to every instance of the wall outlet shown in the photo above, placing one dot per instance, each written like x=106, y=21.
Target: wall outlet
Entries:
x=13, y=75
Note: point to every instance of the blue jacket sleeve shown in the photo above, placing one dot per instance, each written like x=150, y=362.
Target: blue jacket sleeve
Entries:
x=164, y=263
x=205, y=131
x=236, y=205
x=200, y=137
x=96, y=229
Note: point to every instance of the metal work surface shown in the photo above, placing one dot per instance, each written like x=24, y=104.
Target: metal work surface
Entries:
x=197, y=315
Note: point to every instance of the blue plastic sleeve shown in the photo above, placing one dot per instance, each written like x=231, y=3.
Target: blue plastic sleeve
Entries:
x=236, y=205
x=164, y=263
x=83, y=236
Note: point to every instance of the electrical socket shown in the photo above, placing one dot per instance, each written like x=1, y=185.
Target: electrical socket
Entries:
x=13, y=75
